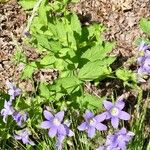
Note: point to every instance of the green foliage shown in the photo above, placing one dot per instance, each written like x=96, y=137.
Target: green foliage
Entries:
x=145, y=26
x=27, y=4
x=78, y=53
x=127, y=76
x=94, y=70
x=91, y=102
x=29, y=70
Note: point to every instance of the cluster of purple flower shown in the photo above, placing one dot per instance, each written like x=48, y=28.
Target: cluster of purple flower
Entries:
x=92, y=123
x=19, y=117
x=114, y=112
x=60, y=129
x=143, y=61
x=118, y=140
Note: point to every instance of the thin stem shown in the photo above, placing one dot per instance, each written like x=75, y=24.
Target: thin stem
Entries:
x=36, y=7
x=92, y=91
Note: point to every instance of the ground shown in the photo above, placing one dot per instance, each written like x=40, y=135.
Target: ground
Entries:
x=121, y=17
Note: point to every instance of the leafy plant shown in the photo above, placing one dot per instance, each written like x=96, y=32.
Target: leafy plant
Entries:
x=80, y=55
x=78, y=52
x=145, y=26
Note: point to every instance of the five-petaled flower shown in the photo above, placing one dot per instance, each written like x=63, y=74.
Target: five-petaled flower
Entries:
x=13, y=90
x=7, y=110
x=56, y=127
x=54, y=123
x=114, y=112
x=118, y=140
x=92, y=123
x=23, y=135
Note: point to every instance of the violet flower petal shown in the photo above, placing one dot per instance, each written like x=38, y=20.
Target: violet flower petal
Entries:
x=52, y=131
x=108, y=105
x=101, y=148
x=60, y=116
x=82, y=127
x=120, y=104
x=91, y=132
x=17, y=137
x=122, y=145
x=124, y=115
x=62, y=130
x=101, y=127
x=115, y=122
x=88, y=115
x=48, y=115
x=46, y=125
x=100, y=117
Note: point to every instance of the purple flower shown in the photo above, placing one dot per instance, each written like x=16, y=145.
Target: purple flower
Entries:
x=146, y=65
x=143, y=52
x=144, y=62
x=56, y=127
x=118, y=140
x=91, y=123
x=7, y=110
x=61, y=137
x=20, y=118
x=24, y=136
x=13, y=90
x=114, y=112
x=54, y=124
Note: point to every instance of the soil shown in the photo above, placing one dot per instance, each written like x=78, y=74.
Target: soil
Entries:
x=12, y=20
x=121, y=17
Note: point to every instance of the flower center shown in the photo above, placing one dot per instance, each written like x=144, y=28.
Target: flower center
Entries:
x=114, y=111
x=91, y=121
x=56, y=122
x=142, y=53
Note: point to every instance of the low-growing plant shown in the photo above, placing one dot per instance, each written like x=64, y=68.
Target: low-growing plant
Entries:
x=79, y=54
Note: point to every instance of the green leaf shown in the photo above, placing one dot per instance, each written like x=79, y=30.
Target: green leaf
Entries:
x=93, y=70
x=19, y=56
x=44, y=91
x=91, y=102
x=71, y=38
x=108, y=60
x=94, y=31
x=145, y=25
x=47, y=60
x=97, y=52
x=43, y=41
x=66, y=84
x=27, y=4
x=55, y=46
x=43, y=14
x=28, y=70
x=107, y=48
x=75, y=23
x=36, y=26
x=52, y=29
x=61, y=32
x=3, y=96
x=126, y=75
